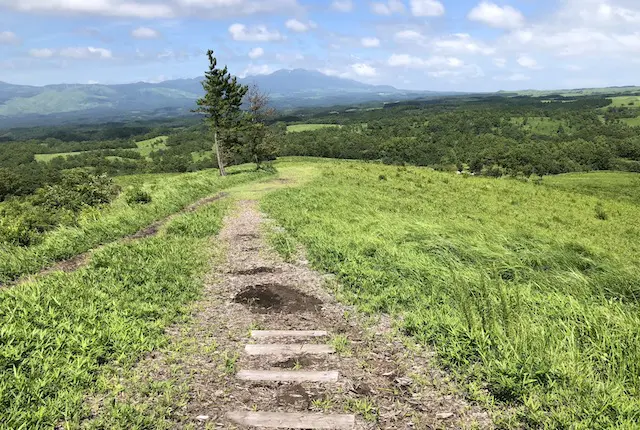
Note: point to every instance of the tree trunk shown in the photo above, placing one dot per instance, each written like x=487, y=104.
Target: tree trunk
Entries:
x=217, y=149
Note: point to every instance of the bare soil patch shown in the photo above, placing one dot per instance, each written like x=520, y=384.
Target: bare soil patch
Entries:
x=256, y=271
x=277, y=298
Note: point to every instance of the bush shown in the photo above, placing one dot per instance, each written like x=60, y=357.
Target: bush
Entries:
x=138, y=196
x=76, y=189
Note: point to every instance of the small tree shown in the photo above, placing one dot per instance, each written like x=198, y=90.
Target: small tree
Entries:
x=257, y=145
x=221, y=104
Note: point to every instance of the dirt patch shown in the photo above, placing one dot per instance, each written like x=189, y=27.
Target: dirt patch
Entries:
x=294, y=395
x=256, y=271
x=277, y=298
x=304, y=361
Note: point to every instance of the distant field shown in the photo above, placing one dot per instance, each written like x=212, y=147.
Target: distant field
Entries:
x=632, y=122
x=539, y=125
x=626, y=101
x=530, y=293
x=48, y=157
x=146, y=147
x=606, y=185
x=296, y=128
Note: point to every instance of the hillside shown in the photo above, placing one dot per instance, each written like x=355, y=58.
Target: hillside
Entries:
x=25, y=105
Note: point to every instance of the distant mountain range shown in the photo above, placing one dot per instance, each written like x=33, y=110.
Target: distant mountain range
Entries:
x=27, y=105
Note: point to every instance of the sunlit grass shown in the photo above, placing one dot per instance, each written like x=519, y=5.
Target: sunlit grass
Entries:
x=146, y=147
x=297, y=128
x=525, y=290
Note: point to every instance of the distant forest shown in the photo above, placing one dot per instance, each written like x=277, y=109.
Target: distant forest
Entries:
x=492, y=135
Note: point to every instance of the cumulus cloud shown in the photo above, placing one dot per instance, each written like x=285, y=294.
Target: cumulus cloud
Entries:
x=426, y=8
x=259, y=33
x=497, y=16
x=500, y=62
x=145, y=33
x=253, y=70
x=436, y=66
x=462, y=42
x=342, y=5
x=370, y=42
x=299, y=26
x=409, y=36
x=152, y=9
x=8, y=38
x=387, y=8
x=77, y=53
x=527, y=61
x=256, y=53
x=364, y=70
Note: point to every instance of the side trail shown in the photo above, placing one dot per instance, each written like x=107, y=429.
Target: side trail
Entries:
x=288, y=355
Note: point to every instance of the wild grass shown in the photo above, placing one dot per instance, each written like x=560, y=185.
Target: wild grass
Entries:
x=60, y=333
x=612, y=186
x=146, y=147
x=44, y=158
x=170, y=193
x=521, y=289
x=625, y=101
x=297, y=128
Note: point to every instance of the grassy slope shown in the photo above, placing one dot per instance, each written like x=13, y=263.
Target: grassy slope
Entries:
x=519, y=287
x=170, y=193
x=146, y=147
x=604, y=185
x=297, y=128
x=60, y=332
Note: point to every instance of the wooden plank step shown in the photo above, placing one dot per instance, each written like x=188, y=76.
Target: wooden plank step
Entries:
x=288, y=376
x=261, y=334
x=288, y=349
x=293, y=420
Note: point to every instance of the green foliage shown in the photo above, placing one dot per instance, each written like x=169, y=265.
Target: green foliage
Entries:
x=58, y=333
x=137, y=195
x=518, y=287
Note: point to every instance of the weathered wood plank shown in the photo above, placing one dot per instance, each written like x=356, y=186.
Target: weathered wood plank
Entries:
x=288, y=349
x=292, y=420
x=261, y=334
x=288, y=375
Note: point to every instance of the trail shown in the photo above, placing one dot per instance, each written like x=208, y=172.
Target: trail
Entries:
x=276, y=350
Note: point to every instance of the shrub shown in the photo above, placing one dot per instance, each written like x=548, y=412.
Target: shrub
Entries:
x=138, y=196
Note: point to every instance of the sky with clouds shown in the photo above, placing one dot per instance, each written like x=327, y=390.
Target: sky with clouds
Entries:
x=466, y=45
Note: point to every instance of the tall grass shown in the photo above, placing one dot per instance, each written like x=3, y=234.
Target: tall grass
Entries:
x=57, y=334
x=170, y=193
x=521, y=288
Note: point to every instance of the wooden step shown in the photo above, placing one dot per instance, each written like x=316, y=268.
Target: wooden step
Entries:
x=288, y=376
x=293, y=420
x=262, y=334
x=288, y=349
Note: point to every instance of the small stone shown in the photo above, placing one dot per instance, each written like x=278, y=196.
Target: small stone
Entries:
x=404, y=382
x=202, y=417
x=219, y=393
x=444, y=415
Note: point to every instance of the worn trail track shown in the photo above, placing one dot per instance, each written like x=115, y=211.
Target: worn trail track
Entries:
x=295, y=358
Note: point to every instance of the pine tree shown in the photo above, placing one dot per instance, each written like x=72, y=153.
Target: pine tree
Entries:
x=221, y=104
x=258, y=145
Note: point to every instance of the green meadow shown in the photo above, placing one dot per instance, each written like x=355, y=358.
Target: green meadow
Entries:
x=297, y=128
x=528, y=291
x=146, y=147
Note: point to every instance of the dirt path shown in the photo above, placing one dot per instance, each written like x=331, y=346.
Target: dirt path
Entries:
x=361, y=369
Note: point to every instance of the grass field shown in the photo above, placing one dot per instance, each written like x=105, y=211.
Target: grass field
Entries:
x=613, y=186
x=45, y=158
x=297, y=128
x=632, y=122
x=540, y=125
x=527, y=291
x=619, y=101
x=146, y=147
x=61, y=333
x=170, y=193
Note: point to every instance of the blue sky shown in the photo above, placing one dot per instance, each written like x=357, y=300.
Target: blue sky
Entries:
x=467, y=45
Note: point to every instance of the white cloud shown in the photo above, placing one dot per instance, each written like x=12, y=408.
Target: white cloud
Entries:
x=42, y=53
x=497, y=16
x=145, y=33
x=342, y=5
x=370, y=42
x=299, y=26
x=527, y=61
x=152, y=9
x=77, y=53
x=259, y=33
x=85, y=53
x=405, y=60
x=426, y=8
x=462, y=42
x=364, y=70
x=253, y=70
x=8, y=38
x=572, y=68
x=256, y=53
x=500, y=62
x=387, y=8
x=409, y=36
